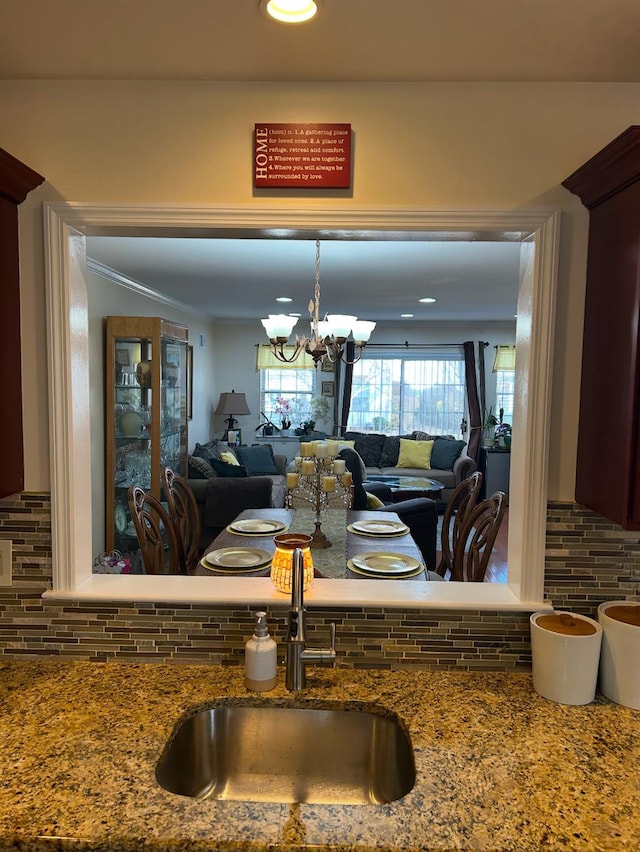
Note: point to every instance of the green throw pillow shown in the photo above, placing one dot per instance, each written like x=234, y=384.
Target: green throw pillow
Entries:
x=415, y=454
x=257, y=460
x=445, y=452
x=373, y=502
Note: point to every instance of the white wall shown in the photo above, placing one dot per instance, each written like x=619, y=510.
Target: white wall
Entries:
x=416, y=145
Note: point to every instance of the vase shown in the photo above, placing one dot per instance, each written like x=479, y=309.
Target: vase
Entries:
x=130, y=424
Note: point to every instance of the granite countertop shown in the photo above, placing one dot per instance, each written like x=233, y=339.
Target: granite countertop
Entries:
x=498, y=767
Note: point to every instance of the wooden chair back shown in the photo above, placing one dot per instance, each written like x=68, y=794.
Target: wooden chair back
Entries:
x=462, y=502
x=477, y=536
x=158, y=540
x=183, y=509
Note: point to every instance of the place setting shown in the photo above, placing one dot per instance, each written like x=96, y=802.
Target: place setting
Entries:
x=379, y=528
x=381, y=564
x=256, y=526
x=236, y=560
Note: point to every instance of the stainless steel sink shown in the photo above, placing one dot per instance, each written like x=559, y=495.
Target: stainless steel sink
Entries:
x=270, y=753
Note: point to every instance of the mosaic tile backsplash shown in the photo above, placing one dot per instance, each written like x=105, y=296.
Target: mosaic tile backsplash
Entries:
x=588, y=560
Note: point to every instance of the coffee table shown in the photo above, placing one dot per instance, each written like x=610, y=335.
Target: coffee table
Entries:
x=422, y=485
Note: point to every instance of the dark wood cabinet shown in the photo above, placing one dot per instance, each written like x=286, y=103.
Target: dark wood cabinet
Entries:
x=608, y=462
x=16, y=181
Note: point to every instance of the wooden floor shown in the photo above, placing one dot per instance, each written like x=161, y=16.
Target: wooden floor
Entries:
x=497, y=569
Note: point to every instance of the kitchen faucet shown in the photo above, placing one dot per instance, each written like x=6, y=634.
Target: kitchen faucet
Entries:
x=298, y=655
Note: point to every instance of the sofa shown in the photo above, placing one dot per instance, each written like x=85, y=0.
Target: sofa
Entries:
x=255, y=479
x=381, y=455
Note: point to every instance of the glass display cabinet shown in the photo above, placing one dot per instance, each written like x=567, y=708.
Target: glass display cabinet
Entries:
x=146, y=383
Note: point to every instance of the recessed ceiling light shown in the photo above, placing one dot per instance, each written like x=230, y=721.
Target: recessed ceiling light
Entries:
x=293, y=314
x=427, y=300
x=407, y=316
x=290, y=11
x=284, y=299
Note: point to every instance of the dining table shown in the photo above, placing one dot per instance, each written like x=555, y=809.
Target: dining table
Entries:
x=382, y=547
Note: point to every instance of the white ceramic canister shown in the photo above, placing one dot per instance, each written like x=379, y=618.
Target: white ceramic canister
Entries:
x=620, y=658
x=565, y=649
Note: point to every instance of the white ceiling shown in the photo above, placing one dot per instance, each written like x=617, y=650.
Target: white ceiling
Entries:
x=353, y=40
x=378, y=280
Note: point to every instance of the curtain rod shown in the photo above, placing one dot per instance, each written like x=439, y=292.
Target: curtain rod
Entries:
x=408, y=345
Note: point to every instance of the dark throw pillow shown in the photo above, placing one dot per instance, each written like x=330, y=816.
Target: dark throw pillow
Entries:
x=211, y=450
x=200, y=468
x=257, y=460
x=390, y=451
x=445, y=452
x=369, y=448
x=225, y=469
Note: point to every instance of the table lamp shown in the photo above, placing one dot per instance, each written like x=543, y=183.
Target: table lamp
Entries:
x=230, y=404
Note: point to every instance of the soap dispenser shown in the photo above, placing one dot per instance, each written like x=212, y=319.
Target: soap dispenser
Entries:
x=260, y=658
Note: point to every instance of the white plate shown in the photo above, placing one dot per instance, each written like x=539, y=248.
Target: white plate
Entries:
x=256, y=526
x=373, y=576
x=238, y=557
x=380, y=527
x=232, y=572
x=399, y=534
x=380, y=562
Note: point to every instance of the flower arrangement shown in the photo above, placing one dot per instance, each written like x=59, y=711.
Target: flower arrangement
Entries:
x=284, y=409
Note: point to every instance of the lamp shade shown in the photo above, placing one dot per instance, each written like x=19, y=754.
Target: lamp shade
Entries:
x=232, y=403
x=278, y=325
x=341, y=324
x=361, y=330
x=505, y=358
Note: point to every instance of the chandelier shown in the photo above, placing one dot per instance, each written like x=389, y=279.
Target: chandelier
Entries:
x=328, y=336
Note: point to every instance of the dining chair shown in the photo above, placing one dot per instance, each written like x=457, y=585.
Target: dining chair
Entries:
x=183, y=509
x=420, y=514
x=477, y=536
x=160, y=546
x=462, y=502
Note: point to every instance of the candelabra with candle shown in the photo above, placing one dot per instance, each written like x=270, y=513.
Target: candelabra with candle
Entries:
x=319, y=476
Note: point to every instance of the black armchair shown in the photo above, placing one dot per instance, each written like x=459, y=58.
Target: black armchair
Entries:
x=420, y=514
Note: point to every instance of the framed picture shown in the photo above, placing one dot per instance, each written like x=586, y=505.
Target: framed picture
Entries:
x=122, y=357
x=327, y=389
x=327, y=366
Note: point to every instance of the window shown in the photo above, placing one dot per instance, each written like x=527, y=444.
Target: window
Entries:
x=403, y=392
x=298, y=386
x=505, y=390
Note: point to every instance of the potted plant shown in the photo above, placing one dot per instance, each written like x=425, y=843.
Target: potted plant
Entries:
x=503, y=432
x=284, y=409
x=307, y=426
x=489, y=424
x=320, y=408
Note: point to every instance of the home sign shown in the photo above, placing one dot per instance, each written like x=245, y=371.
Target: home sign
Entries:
x=313, y=156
